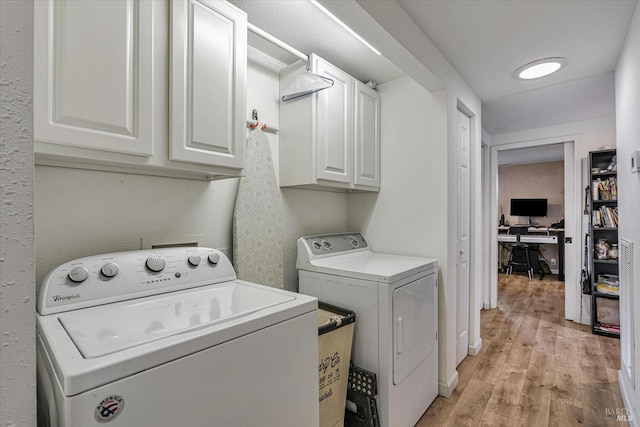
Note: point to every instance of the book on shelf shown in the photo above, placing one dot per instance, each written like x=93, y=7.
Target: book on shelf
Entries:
x=608, y=284
x=605, y=189
x=605, y=216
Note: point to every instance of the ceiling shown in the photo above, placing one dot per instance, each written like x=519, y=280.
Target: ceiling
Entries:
x=484, y=40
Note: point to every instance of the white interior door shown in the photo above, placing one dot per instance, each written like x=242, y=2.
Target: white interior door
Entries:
x=462, y=240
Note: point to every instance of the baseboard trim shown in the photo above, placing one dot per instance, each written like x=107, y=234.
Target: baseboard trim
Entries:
x=585, y=320
x=626, y=392
x=445, y=389
x=475, y=348
x=486, y=306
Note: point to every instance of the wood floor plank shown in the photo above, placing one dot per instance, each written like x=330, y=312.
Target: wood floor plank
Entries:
x=534, y=405
x=535, y=368
x=471, y=404
x=562, y=414
x=503, y=403
x=567, y=386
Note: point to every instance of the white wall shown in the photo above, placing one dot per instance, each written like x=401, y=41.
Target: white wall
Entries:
x=595, y=134
x=410, y=214
x=17, y=291
x=399, y=24
x=116, y=210
x=628, y=141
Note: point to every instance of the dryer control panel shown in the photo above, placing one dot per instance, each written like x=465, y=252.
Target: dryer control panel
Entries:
x=327, y=245
x=333, y=244
x=120, y=276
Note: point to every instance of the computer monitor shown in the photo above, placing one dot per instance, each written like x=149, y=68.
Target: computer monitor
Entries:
x=528, y=207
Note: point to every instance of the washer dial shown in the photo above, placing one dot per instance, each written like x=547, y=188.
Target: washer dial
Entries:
x=214, y=258
x=326, y=244
x=354, y=242
x=194, y=260
x=78, y=274
x=110, y=269
x=156, y=263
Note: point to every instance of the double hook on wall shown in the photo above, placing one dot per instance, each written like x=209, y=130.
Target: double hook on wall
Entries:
x=254, y=123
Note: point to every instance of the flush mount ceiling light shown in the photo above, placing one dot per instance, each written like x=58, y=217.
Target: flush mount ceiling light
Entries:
x=540, y=68
x=343, y=25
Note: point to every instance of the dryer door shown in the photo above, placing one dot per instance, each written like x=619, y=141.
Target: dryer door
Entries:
x=415, y=325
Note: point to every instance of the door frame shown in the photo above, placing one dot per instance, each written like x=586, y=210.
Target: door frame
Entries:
x=572, y=215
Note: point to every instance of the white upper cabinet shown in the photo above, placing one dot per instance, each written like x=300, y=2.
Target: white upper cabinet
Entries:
x=208, y=79
x=331, y=139
x=367, y=137
x=105, y=73
x=93, y=75
x=334, y=127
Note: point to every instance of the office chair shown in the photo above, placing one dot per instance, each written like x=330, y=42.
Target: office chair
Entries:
x=519, y=258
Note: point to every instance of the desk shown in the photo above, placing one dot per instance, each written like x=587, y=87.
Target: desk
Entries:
x=540, y=239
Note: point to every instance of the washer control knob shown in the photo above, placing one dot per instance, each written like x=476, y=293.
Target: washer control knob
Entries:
x=326, y=244
x=110, y=269
x=194, y=260
x=214, y=258
x=354, y=242
x=156, y=263
x=317, y=245
x=78, y=274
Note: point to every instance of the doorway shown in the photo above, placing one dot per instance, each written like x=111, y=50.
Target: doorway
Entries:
x=569, y=146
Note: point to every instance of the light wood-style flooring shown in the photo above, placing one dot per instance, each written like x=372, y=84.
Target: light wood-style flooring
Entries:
x=535, y=368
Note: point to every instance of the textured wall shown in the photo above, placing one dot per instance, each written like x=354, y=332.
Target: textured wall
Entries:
x=17, y=320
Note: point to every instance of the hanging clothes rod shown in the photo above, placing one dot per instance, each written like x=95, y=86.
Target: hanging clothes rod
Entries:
x=276, y=41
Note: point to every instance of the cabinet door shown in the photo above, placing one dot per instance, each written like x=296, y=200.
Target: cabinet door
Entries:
x=93, y=74
x=208, y=82
x=367, y=136
x=334, y=131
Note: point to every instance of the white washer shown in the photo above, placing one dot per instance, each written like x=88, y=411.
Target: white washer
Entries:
x=395, y=301
x=170, y=338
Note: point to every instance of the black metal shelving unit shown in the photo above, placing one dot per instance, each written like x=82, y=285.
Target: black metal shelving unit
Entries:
x=603, y=198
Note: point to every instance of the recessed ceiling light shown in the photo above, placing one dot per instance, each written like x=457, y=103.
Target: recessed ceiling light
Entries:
x=540, y=68
x=343, y=25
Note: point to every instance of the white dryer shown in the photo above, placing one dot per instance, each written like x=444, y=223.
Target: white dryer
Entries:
x=170, y=338
x=395, y=301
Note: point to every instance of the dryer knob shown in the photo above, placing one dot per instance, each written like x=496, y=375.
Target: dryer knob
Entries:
x=214, y=258
x=155, y=263
x=110, y=269
x=78, y=274
x=194, y=260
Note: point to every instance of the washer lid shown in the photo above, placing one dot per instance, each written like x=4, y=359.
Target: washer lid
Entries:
x=98, y=345
x=109, y=329
x=377, y=267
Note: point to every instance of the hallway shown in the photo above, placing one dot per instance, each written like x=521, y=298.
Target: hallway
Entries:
x=535, y=368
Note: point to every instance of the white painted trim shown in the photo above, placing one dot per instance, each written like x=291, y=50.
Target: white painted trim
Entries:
x=627, y=394
x=474, y=349
x=493, y=218
x=585, y=320
x=445, y=390
x=486, y=220
x=573, y=296
x=573, y=205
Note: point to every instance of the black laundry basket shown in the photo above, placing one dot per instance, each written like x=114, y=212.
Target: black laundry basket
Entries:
x=362, y=391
